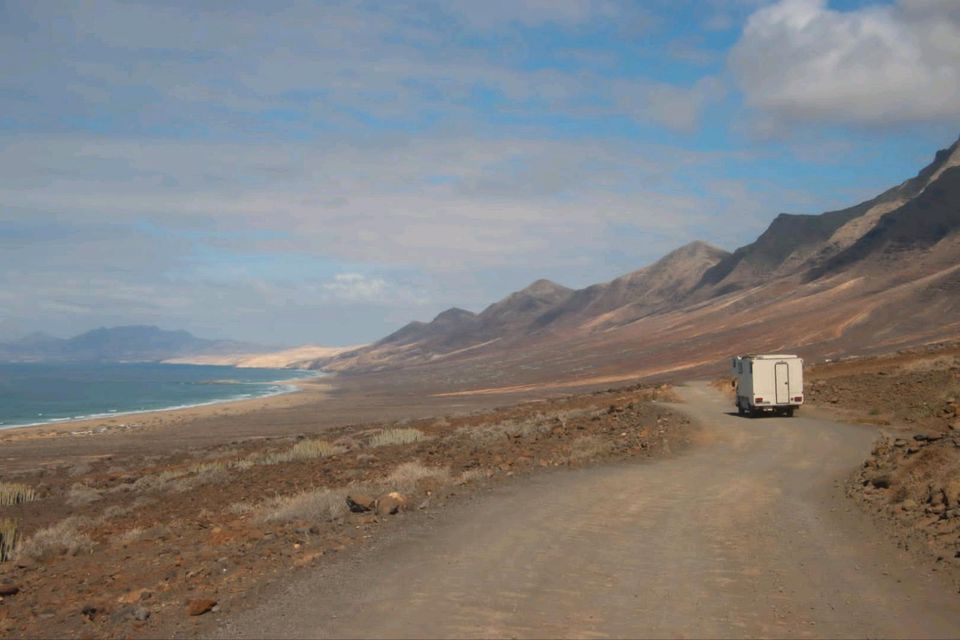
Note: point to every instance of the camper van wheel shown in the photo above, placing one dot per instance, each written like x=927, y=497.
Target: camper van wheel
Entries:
x=789, y=412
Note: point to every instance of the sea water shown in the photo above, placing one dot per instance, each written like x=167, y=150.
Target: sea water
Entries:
x=40, y=393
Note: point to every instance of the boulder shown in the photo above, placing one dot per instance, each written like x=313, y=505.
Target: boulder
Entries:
x=130, y=612
x=880, y=480
x=200, y=606
x=132, y=597
x=390, y=503
x=359, y=503
x=9, y=590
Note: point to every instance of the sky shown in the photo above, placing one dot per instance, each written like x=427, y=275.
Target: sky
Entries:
x=289, y=173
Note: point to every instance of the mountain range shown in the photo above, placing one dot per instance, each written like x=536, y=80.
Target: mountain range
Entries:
x=878, y=275
x=134, y=343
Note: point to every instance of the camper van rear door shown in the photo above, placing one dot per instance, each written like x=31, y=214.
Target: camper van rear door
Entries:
x=781, y=373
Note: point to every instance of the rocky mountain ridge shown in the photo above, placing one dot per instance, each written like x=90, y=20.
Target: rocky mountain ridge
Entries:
x=829, y=283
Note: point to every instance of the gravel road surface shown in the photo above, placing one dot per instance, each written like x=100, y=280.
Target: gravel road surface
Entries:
x=745, y=535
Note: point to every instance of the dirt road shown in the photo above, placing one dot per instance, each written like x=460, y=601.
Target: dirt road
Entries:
x=745, y=535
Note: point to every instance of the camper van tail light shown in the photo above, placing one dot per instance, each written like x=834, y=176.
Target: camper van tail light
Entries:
x=798, y=399
x=758, y=399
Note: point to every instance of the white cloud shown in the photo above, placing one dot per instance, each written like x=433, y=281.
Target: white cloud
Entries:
x=356, y=287
x=800, y=61
x=676, y=107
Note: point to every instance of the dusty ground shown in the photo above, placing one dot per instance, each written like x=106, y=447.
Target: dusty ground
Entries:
x=323, y=404
x=123, y=545
x=747, y=534
x=911, y=480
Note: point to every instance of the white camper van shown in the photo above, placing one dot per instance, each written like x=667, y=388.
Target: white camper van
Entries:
x=768, y=383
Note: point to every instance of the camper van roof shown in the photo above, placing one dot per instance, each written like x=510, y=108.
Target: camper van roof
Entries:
x=769, y=356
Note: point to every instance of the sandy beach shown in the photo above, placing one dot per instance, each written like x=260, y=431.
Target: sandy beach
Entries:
x=320, y=404
x=29, y=447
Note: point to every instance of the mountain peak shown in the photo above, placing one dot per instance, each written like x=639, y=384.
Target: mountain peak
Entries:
x=943, y=160
x=693, y=249
x=454, y=313
x=544, y=288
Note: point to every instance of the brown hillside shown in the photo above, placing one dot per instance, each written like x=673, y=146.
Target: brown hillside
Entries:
x=880, y=275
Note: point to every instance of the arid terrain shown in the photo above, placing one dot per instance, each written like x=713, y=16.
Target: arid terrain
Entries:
x=911, y=481
x=669, y=513
x=128, y=544
x=421, y=490
x=746, y=534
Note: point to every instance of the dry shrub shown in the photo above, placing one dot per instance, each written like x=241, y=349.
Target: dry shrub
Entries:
x=115, y=511
x=471, y=475
x=489, y=434
x=80, y=469
x=389, y=437
x=209, y=474
x=9, y=537
x=143, y=501
x=304, y=450
x=408, y=475
x=16, y=493
x=318, y=504
x=588, y=447
x=128, y=536
x=208, y=467
x=157, y=481
x=81, y=495
x=62, y=538
x=240, y=508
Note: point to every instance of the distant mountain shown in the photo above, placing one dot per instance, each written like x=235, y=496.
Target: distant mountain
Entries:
x=659, y=286
x=881, y=274
x=794, y=242
x=543, y=308
x=118, y=344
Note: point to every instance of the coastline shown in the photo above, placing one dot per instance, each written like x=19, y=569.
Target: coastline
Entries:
x=295, y=391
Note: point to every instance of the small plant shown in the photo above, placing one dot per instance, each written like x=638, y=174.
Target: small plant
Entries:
x=129, y=536
x=406, y=476
x=470, y=475
x=239, y=508
x=209, y=467
x=81, y=494
x=155, y=481
x=243, y=465
x=80, y=469
x=16, y=493
x=587, y=447
x=305, y=450
x=9, y=537
x=389, y=437
x=60, y=539
x=310, y=505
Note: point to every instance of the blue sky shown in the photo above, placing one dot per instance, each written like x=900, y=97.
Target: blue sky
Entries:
x=325, y=172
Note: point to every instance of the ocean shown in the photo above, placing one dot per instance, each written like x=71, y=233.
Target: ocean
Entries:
x=40, y=393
